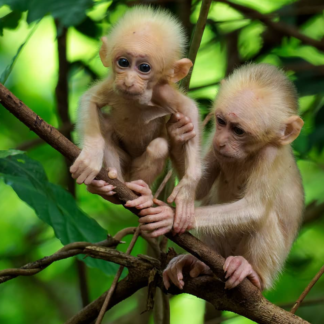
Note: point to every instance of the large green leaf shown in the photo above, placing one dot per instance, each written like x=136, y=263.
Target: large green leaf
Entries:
x=52, y=204
x=68, y=12
x=10, y=21
x=5, y=74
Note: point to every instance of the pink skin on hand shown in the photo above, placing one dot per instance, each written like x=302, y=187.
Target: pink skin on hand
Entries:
x=157, y=220
x=105, y=190
x=174, y=271
x=180, y=129
x=237, y=269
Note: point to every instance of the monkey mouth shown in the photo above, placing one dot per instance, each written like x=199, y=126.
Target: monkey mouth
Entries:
x=129, y=94
x=224, y=155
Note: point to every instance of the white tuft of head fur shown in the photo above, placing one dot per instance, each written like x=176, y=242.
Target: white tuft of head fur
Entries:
x=168, y=32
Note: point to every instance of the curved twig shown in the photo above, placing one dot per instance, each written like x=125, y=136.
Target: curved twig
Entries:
x=307, y=290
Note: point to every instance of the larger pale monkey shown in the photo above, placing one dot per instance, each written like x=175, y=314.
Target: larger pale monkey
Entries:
x=143, y=51
x=251, y=190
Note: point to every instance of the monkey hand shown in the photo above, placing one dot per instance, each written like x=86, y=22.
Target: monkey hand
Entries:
x=184, y=196
x=174, y=271
x=87, y=165
x=101, y=188
x=237, y=269
x=146, y=198
x=157, y=220
x=180, y=129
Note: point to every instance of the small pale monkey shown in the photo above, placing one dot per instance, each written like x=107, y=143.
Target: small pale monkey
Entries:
x=251, y=190
x=143, y=51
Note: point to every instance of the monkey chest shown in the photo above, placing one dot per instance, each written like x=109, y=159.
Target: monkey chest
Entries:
x=227, y=190
x=134, y=136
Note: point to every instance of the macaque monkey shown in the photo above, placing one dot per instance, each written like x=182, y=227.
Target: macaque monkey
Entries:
x=251, y=190
x=144, y=53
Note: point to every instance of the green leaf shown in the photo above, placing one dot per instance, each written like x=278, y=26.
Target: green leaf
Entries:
x=89, y=28
x=10, y=21
x=68, y=12
x=5, y=74
x=52, y=204
x=19, y=5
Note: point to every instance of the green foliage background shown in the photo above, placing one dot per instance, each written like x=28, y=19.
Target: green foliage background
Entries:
x=29, y=68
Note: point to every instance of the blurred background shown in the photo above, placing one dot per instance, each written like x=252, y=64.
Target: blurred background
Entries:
x=49, y=57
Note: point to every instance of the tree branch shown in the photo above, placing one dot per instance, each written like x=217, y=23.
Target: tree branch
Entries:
x=279, y=27
x=67, y=251
x=307, y=290
x=196, y=39
x=245, y=299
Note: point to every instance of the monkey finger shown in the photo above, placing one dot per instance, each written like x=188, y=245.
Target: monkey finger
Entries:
x=184, y=219
x=138, y=188
x=152, y=219
x=198, y=268
x=150, y=211
x=227, y=262
x=146, y=204
x=154, y=226
x=166, y=280
x=178, y=219
x=138, y=201
x=186, y=128
x=159, y=202
x=175, y=117
x=237, y=277
x=98, y=183
x=112, y=173
x=90, y=178
x=84, y=175
x=254, y=278
x=233, y=266
x=141, y=183
x=160, y=231
x=174, y=194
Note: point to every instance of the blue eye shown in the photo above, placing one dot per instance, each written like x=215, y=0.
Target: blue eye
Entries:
x=122, y=62
x=144, y=68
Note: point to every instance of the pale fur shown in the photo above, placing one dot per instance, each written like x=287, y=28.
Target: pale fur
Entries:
x=132, y=137
x=164, y=28
x=253, y=206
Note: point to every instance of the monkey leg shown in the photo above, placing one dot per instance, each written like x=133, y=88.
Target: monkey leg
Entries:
x=151, y=163
x=113, y=159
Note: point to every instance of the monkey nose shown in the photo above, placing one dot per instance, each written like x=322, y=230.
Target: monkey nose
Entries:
x=128, y=84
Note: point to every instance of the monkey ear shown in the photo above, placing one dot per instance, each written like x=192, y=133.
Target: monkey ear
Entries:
x=293, y=126
x=104, y=52
x=181, y=69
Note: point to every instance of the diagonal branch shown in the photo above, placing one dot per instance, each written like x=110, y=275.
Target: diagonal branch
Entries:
x=196, y=39
x=279, y=27
x=67, y=251
x=246, y=299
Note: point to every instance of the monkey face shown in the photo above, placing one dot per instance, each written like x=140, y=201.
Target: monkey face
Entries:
x=134, y=76
x=230, y=139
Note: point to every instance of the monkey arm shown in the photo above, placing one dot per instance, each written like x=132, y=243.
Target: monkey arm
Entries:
x=242, y=214
x=89, y=162
x=210, y=173
x=192, y=169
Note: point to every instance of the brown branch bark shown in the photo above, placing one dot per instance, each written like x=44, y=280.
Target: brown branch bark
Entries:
x=67, y=251
x=246, y=299
x=117, y=276
x=278, y=27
